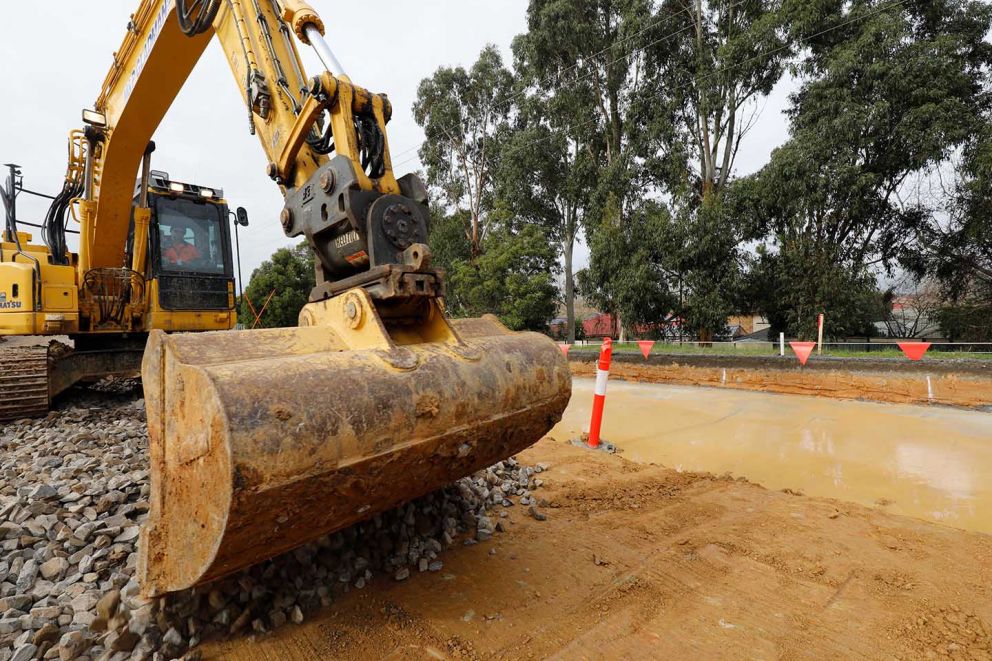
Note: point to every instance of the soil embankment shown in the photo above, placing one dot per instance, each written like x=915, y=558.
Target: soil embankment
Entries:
x=965, y=383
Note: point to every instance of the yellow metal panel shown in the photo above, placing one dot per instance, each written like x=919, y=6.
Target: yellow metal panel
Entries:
x=53, y=274
x=17, y=323
x=58, y=293
x=16, y=291
x=57, y=323
x=26, y=244
x=191, y=321
x=58, y=297
x=38, y=323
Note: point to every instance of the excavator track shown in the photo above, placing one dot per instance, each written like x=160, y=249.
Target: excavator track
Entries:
x=24, y=373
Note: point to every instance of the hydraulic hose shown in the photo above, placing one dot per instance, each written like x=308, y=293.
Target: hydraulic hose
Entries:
x=196, y=16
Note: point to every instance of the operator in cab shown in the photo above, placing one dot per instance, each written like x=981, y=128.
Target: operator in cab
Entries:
x=179, y=251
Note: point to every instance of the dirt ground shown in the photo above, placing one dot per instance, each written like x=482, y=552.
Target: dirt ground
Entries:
x=639, y=561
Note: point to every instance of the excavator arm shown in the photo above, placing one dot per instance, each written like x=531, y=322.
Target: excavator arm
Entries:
x=263, y=440
x=324, y=138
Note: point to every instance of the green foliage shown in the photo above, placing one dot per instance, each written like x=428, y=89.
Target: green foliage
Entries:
x=887, y=96
x=968, y=321
x=465, y=119
x=499, y=226
x=710, y=259
x=447, y=239
x=592, y=50
x=626, y=273
x=960, y=255
x=624, y=119
x=709, y=64
x=513, y=277
x=290, y=273
x=548, y=185
x=795, y=284
x=957, y=251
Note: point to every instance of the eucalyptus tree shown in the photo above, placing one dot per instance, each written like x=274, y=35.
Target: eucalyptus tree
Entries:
x=889, y=92
x=709, y=71
x=584, y=59
x=465, y=117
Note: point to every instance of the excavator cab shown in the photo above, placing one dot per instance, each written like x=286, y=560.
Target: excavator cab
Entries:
x=190, y=265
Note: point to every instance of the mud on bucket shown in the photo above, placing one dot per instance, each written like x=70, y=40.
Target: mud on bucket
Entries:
x=263, y=440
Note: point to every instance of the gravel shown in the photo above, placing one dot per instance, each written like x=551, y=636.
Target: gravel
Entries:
x=74, y=493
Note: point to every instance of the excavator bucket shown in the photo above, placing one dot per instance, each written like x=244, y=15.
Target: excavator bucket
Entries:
x=263, y=440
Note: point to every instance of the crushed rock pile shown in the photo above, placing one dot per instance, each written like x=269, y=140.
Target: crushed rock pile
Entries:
x=74, y=493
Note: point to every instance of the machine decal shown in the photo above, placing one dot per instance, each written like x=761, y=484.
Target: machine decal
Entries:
x=360, y=258
x=347, y=239
x=156, y=29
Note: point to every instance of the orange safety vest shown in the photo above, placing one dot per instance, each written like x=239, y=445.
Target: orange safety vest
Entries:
x=184, y=252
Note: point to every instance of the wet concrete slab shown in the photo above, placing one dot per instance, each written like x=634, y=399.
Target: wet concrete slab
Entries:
x=932, y=463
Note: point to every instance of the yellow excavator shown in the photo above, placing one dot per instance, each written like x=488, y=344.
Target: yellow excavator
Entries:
x=262, y=440
x=180, y=276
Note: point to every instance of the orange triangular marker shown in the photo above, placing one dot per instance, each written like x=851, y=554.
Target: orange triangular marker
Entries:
x=564, y=349
x=645, y=346
x=803, y=350
x=914, y=350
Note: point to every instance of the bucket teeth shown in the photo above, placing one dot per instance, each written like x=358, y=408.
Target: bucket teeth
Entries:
x=258, y=451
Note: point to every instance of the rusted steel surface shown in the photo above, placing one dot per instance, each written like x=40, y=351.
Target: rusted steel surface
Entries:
x=23, y=382
x=264, y=440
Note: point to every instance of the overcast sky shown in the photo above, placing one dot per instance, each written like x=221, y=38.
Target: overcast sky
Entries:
x=57, y=53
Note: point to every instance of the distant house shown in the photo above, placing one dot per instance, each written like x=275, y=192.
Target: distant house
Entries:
x=741, y=325
x=558, y=328
x=591, y=326
x=911, y=316
x=599, y=325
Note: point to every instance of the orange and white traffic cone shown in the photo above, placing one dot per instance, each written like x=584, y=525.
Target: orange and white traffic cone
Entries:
x=599, y=396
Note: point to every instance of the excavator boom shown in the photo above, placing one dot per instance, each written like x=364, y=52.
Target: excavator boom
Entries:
x=263, y=440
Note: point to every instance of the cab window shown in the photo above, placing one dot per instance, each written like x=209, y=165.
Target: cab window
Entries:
x=190, y=236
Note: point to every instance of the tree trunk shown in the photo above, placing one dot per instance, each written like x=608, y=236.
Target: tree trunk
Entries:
x=474, y=238
x=569, y=289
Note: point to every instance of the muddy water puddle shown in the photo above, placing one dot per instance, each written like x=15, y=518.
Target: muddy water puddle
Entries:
x=927, y=462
